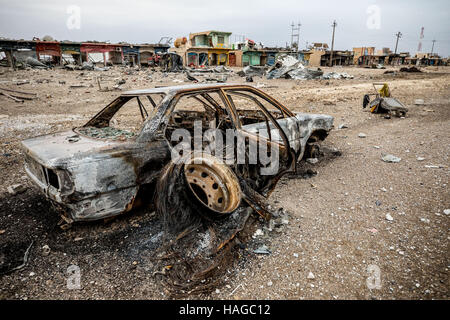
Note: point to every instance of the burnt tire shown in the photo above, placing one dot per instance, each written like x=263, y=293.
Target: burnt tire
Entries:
x=174, y=201
x=188, y=194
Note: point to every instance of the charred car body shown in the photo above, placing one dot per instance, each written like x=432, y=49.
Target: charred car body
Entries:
x=122, y=157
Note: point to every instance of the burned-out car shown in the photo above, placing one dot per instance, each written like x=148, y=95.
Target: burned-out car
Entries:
x=125, y=155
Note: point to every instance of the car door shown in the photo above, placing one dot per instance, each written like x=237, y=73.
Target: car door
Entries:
x=262, y=152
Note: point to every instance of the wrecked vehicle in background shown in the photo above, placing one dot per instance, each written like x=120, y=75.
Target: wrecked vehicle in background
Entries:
x=383, y=101
x=123, y=157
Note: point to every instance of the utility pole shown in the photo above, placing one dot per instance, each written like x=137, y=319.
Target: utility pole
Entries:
x=432, y=48
x=399, y=35
x=419, y=48
x=295, y=35
x=332, y=43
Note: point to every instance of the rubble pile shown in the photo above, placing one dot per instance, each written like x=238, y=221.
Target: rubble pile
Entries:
x=289, y=67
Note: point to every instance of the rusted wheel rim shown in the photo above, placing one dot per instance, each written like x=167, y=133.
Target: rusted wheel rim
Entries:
x=213, y=184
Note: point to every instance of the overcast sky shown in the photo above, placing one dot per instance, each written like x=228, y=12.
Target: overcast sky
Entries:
x=359, y=23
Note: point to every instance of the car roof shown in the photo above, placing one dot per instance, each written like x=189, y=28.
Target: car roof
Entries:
x=175, y=89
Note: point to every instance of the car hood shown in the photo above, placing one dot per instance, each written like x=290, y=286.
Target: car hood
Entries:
x=56, y=149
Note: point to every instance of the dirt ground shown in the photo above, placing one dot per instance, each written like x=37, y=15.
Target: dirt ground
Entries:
x=337, y=226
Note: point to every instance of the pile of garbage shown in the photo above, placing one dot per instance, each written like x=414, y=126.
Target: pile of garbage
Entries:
x=288, y=67
x=337, y=75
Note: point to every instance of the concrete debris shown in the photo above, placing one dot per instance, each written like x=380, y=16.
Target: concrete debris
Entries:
x=16, y=189
x=221, y=69
x=312, y=160
x=258, y=233
x=252, y=71
x=342, y=126
x=32, y=62
x=289, y=67
x=46, y=250
x=336, y=75
x=439, y=166
x=362, y=135
x=419, y=102
x=262, y=250
x=87, y=66
x=390, y=158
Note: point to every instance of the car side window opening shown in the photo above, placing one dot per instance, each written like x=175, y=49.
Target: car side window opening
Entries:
x=122, y=119
x=252, y=116
x=205, y=108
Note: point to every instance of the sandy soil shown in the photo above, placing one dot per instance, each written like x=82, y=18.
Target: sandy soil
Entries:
x=337, y=226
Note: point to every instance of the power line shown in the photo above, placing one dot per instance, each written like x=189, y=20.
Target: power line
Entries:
x=295, y=35
x=432, y=48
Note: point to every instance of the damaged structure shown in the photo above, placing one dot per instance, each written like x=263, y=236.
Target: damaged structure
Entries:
x=208, y=48
x=124, y=156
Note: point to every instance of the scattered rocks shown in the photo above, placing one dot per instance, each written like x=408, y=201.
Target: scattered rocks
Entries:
x=390, y=158
x=439, y=166
x=312, y=160
x=262, y=250
x=310, y=276
x=342, y=126
x=447, y=212
x=258, y=233
x=419, y=102
x=45, y=250
x=389, y=217
x=420, y=158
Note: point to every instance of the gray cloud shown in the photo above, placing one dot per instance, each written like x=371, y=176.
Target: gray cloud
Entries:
x=263, y=21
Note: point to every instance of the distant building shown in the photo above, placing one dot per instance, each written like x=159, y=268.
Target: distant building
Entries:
x=363, y=56
x=148, y=51
x=204, y=48
x=426, y=59
x=368, y=57
x=320, y=55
